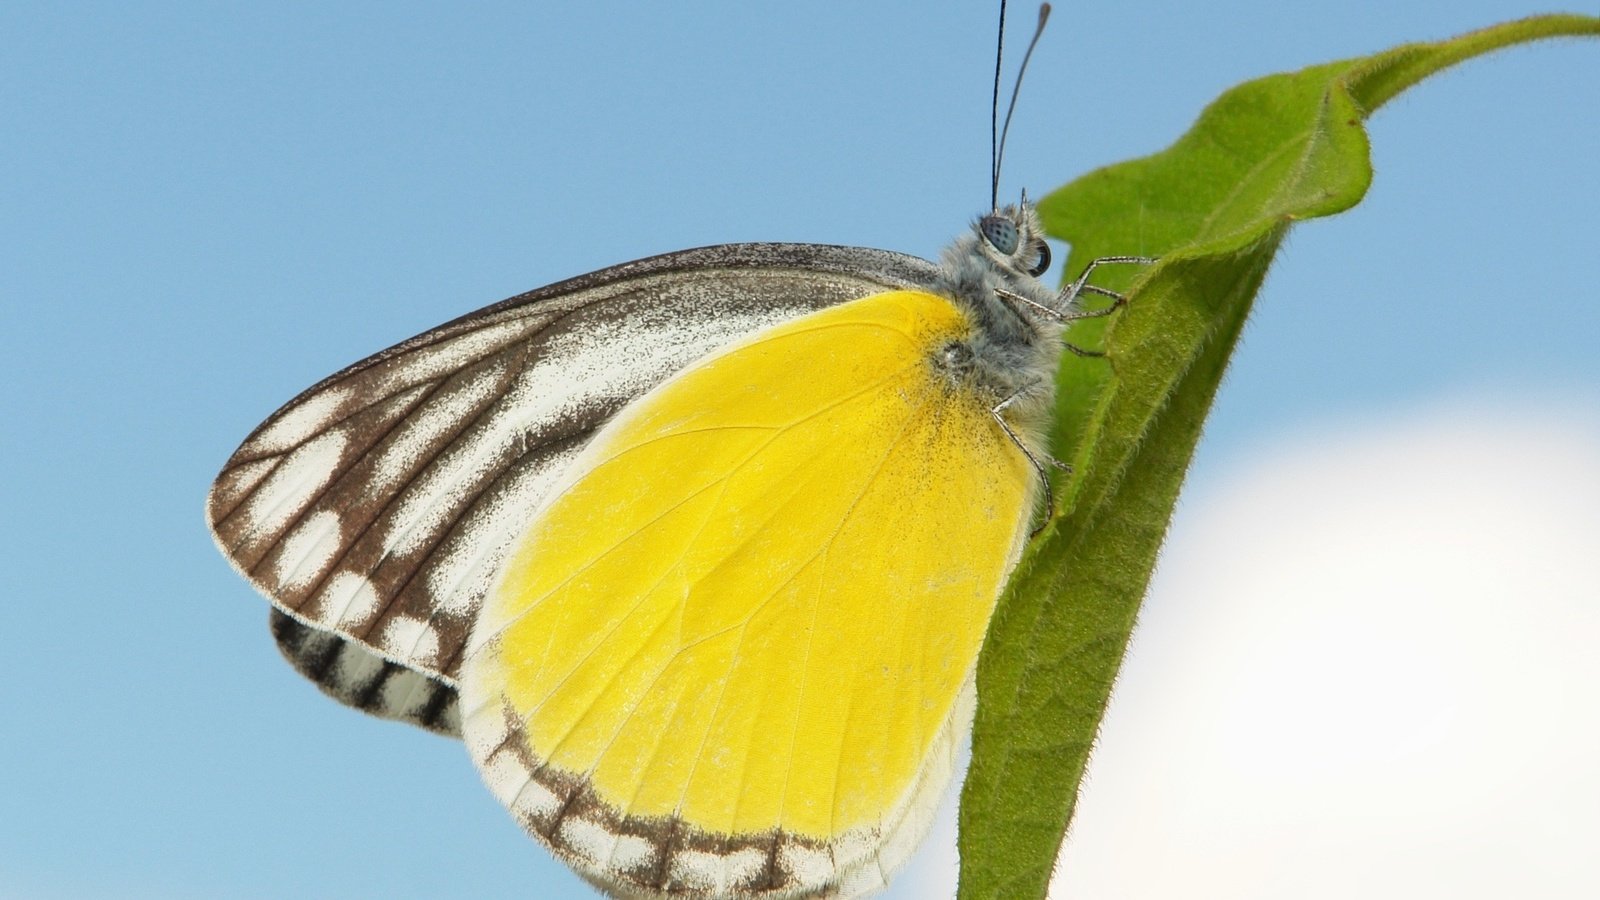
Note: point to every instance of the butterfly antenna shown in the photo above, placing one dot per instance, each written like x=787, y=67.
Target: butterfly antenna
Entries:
x=999, y=151
x=994, y=115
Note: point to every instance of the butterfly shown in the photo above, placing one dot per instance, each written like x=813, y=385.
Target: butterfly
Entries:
x=696, y=553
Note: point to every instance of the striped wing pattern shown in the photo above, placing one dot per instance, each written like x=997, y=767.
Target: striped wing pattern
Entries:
x=375, y=509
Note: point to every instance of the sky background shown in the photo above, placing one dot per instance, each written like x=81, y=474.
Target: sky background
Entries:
x=1367, y=666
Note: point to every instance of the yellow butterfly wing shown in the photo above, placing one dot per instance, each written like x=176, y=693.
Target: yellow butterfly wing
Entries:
x=725, y=657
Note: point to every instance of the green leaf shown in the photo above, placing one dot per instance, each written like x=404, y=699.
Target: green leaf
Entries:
x=1215, y=207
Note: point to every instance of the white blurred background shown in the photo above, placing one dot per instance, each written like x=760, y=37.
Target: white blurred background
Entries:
x=1369, y=666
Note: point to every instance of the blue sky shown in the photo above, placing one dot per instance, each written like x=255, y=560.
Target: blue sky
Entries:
x=207, y=207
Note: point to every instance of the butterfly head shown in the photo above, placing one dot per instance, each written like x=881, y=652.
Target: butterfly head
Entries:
x=1013, y=239
x=993, y=271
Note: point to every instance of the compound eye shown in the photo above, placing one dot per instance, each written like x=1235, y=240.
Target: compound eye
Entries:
x=1043, y=263
x=1000, y=232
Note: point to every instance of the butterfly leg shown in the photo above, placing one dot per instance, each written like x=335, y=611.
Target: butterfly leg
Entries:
x=1035, y=461
x=1118, y=301
x=1071, y=293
